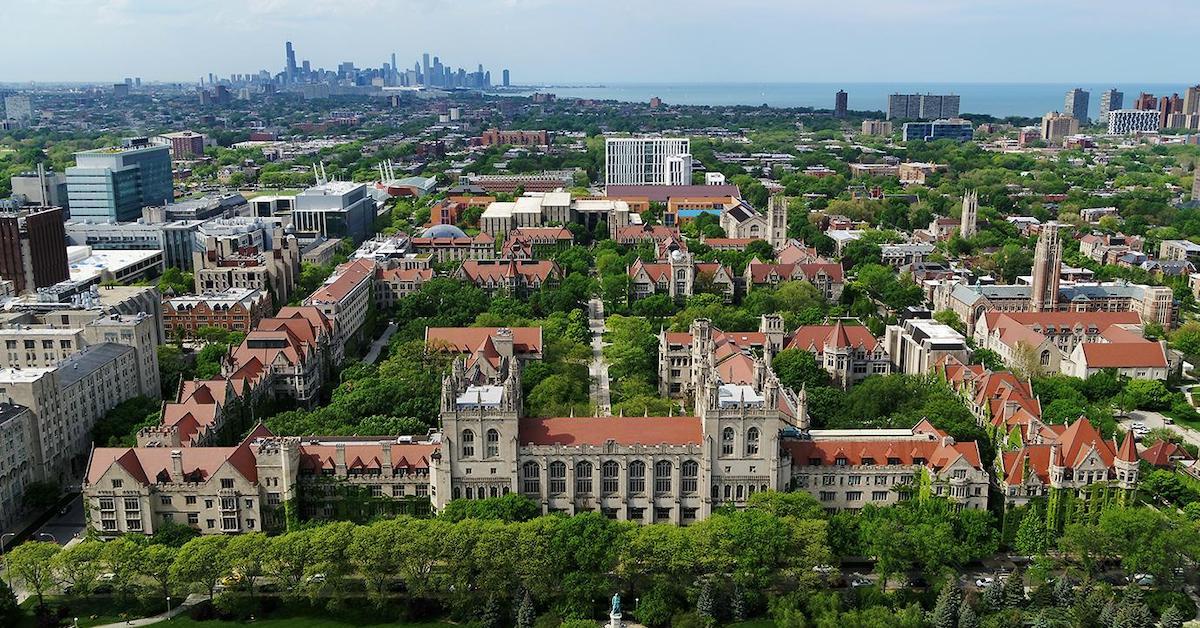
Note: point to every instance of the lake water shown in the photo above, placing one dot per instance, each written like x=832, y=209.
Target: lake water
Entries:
x=997, y=99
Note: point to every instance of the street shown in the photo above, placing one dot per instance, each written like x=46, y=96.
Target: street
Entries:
x=1155, y=420
x=63, y=527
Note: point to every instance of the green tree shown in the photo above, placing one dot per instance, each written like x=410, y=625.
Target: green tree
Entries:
x=1132, y=612
x=798, y=368
x=175, y=281
x=41, y=495
x=967, y=617
x=122, y=557
x=244, y=556
x=200, y=561
x=1172, y=618
x=32, y=563
x=78, y=566
x=1146, y=394
x=155, y=565
x=706, y=602
x=946, y=610
x=1014, y=589
x=1032, y=539
x=1187, y=338
x=10, y=612
x=526, y=612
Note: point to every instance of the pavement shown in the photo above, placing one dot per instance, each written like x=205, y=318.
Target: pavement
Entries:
x=380, y=343
x=598, y=368
x=191, y=601
x=1155, y=420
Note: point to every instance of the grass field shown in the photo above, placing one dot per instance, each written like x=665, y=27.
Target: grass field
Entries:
x=290, y=622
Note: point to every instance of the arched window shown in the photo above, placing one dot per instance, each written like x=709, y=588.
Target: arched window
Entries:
x=681, y=274
x=558, y=477
x=662, y=477
x=583, y=478
x=456, y=493
x=1046, y=357
x=468, y=444
x=609, y=480
x=637, y=477
x=492, y=492
x=690, y=472
x=716, y=492
x=740, y=491
x=752, y=441
x=493, y=443
x=530, y=474
x=470, y=493
x=727, y=441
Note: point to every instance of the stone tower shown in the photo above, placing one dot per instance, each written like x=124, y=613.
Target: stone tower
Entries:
x=1047, y=266
x=970, y=211
x=777, y=220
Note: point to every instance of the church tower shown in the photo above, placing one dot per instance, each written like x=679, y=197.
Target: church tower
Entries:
x=1047, y=266
x=970, y=212
x=777, y=220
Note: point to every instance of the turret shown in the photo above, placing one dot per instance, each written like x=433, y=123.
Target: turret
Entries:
x=1126, y=463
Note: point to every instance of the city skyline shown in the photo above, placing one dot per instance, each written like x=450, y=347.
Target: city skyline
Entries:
x=245, y=37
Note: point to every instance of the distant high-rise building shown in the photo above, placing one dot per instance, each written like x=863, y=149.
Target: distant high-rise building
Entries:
x=1168, y=105
x=1191, y=100
x=1145, y=101
x=876, y=127
x=395, y=73
x=18, y=109
x=1076, y=104
x=1056, y=127
x=506, y=77
x=425, y=69
x=113, y=184
x=120, y=90
x=1047, y=266
x=922, y=106
x=1127, y=121
x=839, y=104
x=1196, y=185
x=1110, y=100
x=33, y=248
x=970, y=212
x=290, y=64
x=955, y=129
x=647, y=161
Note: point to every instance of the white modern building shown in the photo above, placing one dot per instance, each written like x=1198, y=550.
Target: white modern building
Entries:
x=647, y=161
x=1126, y=121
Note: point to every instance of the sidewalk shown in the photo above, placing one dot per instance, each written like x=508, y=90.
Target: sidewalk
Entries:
x=191, y=601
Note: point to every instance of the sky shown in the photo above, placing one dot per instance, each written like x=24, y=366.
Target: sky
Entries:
x=594, y=41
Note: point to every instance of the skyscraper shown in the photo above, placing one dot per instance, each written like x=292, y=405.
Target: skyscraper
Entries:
x=506, y=77
x=970, y=211
x=647, y=161
x=1047, y=265
x=18, y=109
x=1191, y=100
x=290, y=68
x=1058, y=126
x=839, y=104
x=1076, y=104
x=1145, y=101
x=33, y=251
x=425, y=69
x=1110, y=100
x=395, y=73
x=922, y=106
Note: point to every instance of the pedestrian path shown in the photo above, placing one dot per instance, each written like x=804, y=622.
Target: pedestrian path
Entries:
x=598, y=369
x=191, y=601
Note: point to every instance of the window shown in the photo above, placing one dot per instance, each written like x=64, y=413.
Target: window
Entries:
x=226, y=483
x=662, y=514
x=662, y=477
x=879, y=496
x=272, y=499
x=193, y=519
x=531, y=482
x=828, y=496
x=691, y=473
x=133, y=524
x=132, y=503
x=106, y=503
x=397, y=490
x=854, y=496
x=250, y=524
x=558, y=478
x=1046, y=357
x=493, y=444
x=166, y=500
x=727, y=441
x=190, y=500
x=118, y=483
x=468, y=444
x=637, y=477
x=752, y=441
x=583, y=478
x=609, y=473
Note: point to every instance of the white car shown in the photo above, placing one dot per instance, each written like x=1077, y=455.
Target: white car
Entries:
x=985, y=582
x=1141, y=579
x=858, y=580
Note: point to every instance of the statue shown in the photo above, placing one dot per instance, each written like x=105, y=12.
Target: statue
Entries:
x=614, y=614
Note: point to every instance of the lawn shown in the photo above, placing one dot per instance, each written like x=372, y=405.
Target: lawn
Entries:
x=289, y=622
x=90, y=611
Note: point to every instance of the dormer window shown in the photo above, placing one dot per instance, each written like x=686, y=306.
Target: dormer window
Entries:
x=893, y=460
x=868, y=461
x=840, y=461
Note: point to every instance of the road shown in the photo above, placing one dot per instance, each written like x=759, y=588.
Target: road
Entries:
x=380, y=343
x=598, y=369
x=1155, y=420
x=64, y=527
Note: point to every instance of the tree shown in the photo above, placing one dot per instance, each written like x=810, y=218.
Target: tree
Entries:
x=175, y=281
x=949, y=601
x=1187, y=338
x=705, y=602
x=1132, y=612
x=526, y=612
x=1014, y=589
x=993, y=597
x=10, y=612
x=244, y=555
x=155, y=564
x=200, y=561
x=967, y=617
x=1147, y=394
x=1172, y=617
x=171, y=369
x=122, y=558
x=32, y=563
x=798, y=368
x=78, y=566
x=1032, y=539
x=950, y=318
x=988, y=358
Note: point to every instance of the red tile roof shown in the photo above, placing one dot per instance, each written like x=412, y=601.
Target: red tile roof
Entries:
x=816, y=337
x=1124, y=355
x=347, y=278
x=468, y=339
x=574, y=431
x=1164, y=454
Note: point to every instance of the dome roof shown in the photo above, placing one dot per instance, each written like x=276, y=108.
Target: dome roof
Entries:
x=443, y=231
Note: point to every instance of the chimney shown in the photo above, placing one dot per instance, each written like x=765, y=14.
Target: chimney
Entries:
x=503, y=341
x=177, y=465
x=339, y=460
x=386, y=458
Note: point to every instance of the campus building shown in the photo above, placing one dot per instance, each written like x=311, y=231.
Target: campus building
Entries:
x=647, y=161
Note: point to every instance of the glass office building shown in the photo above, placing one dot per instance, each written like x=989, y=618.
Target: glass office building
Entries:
x=113, y=184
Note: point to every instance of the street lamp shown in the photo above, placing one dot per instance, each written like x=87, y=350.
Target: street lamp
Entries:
x=52, y=538
x=2, y=544
x=168, y=605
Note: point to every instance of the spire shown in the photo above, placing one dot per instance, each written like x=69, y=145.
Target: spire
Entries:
x=1128, y=451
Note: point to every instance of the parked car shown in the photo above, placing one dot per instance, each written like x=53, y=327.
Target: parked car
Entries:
x=858, y=580
x=1141, y=579
x=985, y=582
